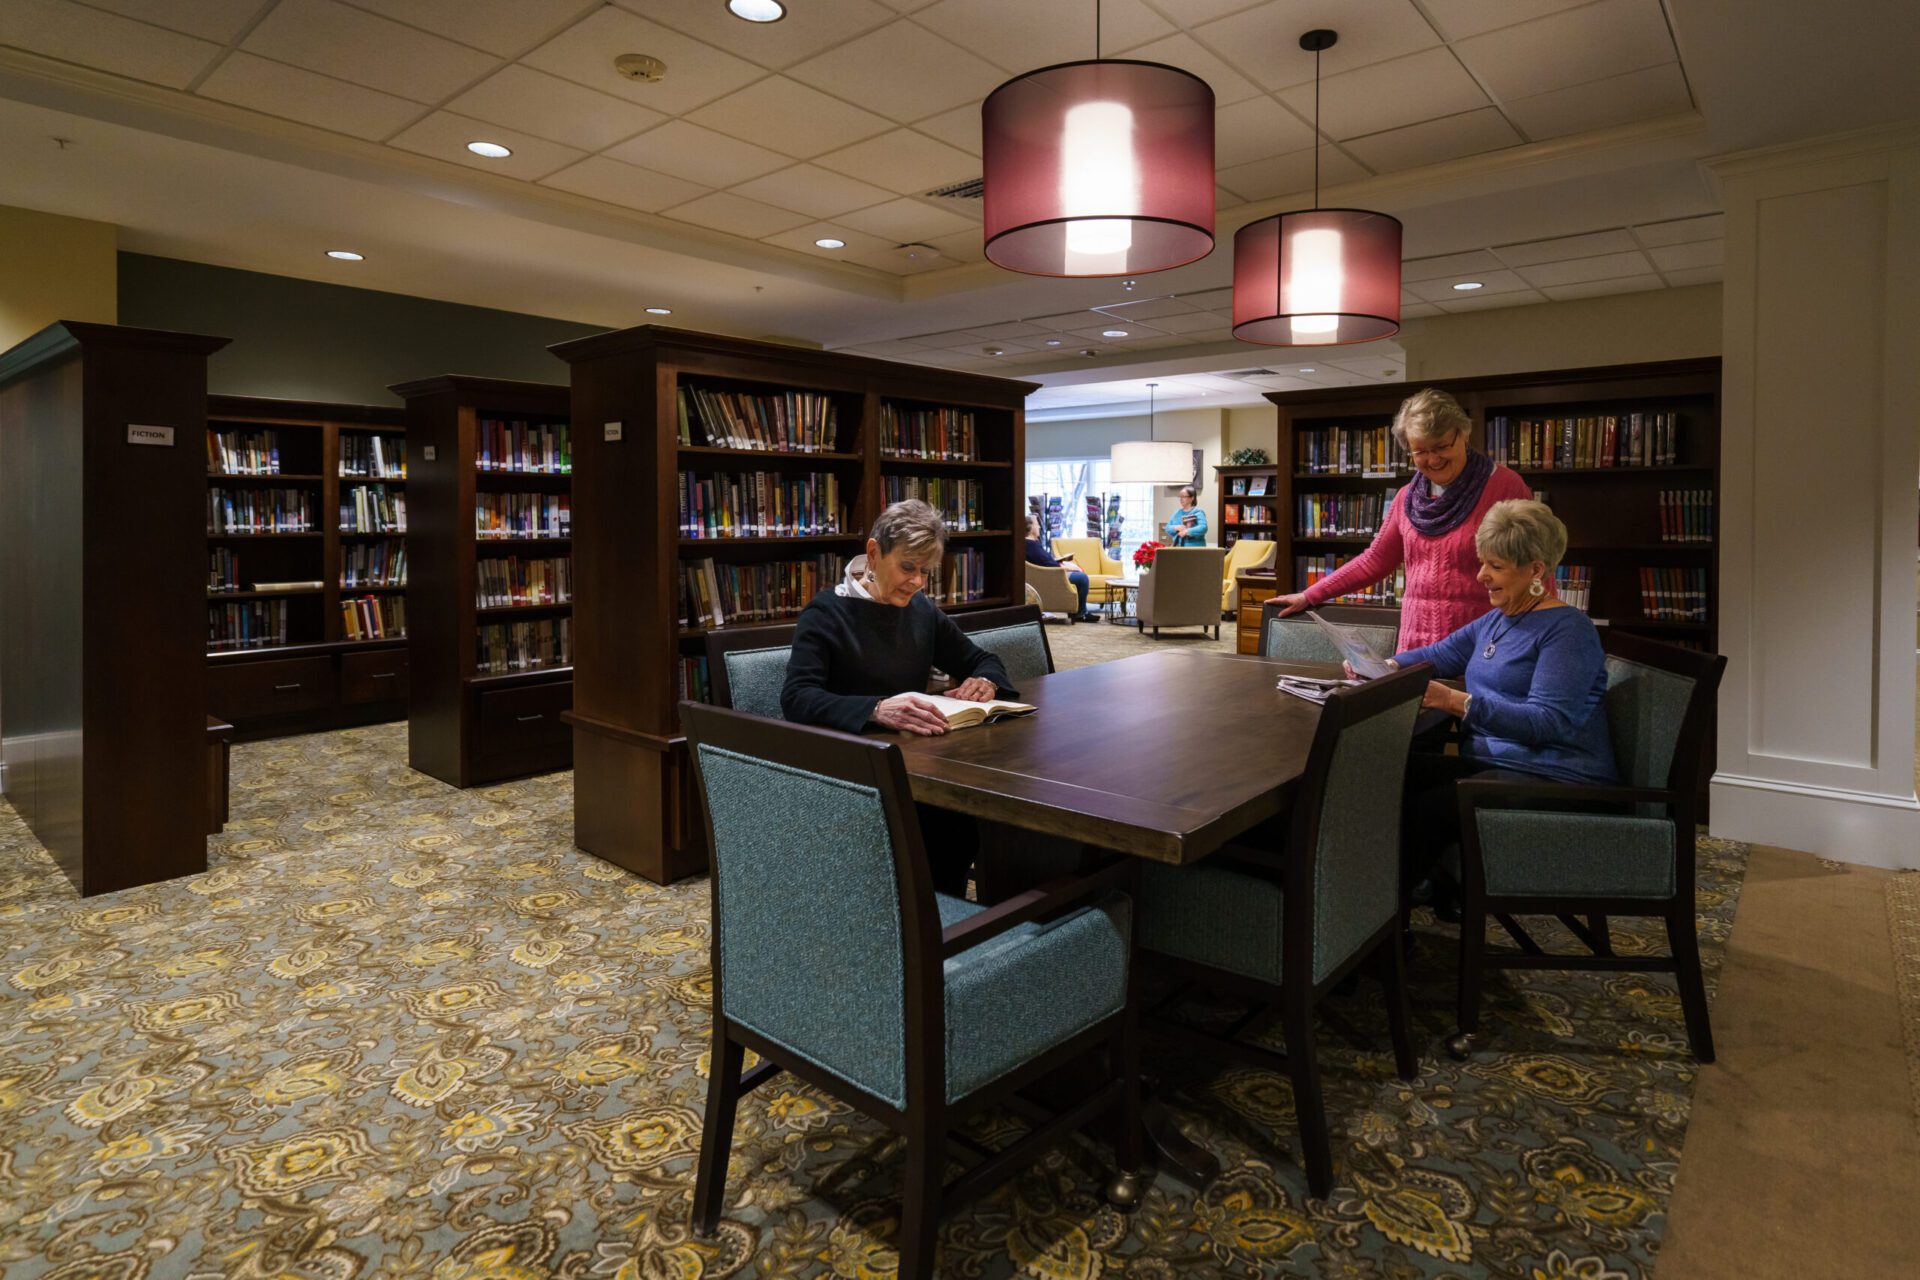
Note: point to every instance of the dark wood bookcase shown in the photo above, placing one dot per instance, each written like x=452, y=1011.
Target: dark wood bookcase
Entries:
x=633, y=793
x=1258, y=514
x=320, y=678
x=1612, y=513
x=102, y=630
x=466, y=726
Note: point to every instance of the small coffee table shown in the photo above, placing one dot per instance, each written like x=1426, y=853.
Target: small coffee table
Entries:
x=1129, y=598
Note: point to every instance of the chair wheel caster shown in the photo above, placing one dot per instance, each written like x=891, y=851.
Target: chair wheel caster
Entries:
x=1460, y=1047
x=1124, y=1190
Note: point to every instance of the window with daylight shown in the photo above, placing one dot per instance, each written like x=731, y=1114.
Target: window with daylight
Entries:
x=1067, y=483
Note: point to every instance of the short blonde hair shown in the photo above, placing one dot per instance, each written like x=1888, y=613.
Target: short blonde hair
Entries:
x=911, y=524
x=1521, y=531
x=1428, y=415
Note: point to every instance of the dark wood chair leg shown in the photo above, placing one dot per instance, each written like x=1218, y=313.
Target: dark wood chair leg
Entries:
x=1316, y=1146
x=920, y=1198
x=1685, y=945
x=1473, y=945
x=1603, y=940
x=716, y=1138
x=1391, y=958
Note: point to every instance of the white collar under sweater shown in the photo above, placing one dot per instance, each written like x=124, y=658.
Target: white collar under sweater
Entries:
x=855, y=583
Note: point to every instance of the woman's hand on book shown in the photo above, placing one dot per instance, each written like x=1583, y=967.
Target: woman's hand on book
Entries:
x=974, y=689
x=911, y=713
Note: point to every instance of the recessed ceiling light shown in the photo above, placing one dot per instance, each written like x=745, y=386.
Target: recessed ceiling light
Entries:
x=1113, y=333
x=1053, y=342
x=491, y=150
x=659, y=311
x=828, y=242
x=1309, y=370
x=1466, y=286
x=757, y=10
x=346, y=255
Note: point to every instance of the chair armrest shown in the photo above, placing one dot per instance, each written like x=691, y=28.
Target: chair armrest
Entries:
x=1031, y=905
x=1502, y=792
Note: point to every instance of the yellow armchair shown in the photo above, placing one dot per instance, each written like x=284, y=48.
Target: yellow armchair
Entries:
x=1093, y=561
x=1241, y=556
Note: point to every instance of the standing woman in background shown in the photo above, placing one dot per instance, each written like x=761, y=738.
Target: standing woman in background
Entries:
x=1188, y=526
x=1431, y=525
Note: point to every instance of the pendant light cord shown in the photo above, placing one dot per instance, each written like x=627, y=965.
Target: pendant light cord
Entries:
x=1096, y=30
x=1316, y=128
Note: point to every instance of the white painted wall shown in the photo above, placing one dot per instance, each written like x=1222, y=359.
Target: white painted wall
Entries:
x=1821, y=402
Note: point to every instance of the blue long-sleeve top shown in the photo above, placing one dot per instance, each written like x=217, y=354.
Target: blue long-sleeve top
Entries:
x=1539, y=703
x=1182, y=534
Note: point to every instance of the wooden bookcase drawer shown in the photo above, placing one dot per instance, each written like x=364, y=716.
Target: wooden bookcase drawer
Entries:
x=516, y=719
x=271, y=687
x=380, y=676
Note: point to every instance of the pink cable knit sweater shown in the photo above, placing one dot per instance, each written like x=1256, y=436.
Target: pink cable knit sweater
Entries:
x=1442, y=594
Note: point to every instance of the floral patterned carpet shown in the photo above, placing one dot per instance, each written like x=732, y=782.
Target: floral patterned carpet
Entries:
x=400, y=1030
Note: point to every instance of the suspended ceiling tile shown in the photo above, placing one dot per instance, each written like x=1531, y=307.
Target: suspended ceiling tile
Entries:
x=1471, y=303
x=1419, y=310
x=549, y=107
x=964, y=246
x=802, y=239
x=790, y=117
x=1290, y=174
x=906, y=220
x=1611, y=266
x=216, y=20
x=1458, y=19
x=1698, y=253
x=309, y=97
x=1063, y=322
x=1183, y=51
x=1637, y=95
x=1151, y=308
x=906, y=6
x=1019, y=35
x=903, y=161
x=1130, y=334
x=1572, y=47
x=736, y=215
x=1192, y=13
x=1712, y=226
x=504, y=27
x=809, y=27
x=1694, y=275
x=1020, y=330
x=895, y=349
x=1455, y=265
x=815, y=192
x=1491, y=282
x=959, y=128
x=1600, y=288
x=1433, y=141
x=1560, y=248
x=1256, y=129
x=444, y=136
x=1211, y=299
x=697, y=72
x=698, y=155
x=1266, y=40
x=1191, y=322
x=1387, y=95
x=901, y=71
x=104, y=41
x=351, y=44
x=902, y=262
x=623, y=184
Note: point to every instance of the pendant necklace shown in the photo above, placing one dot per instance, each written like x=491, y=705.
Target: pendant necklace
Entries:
x=1488, y=651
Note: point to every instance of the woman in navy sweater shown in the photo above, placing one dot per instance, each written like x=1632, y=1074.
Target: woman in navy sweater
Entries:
x=1536, y=683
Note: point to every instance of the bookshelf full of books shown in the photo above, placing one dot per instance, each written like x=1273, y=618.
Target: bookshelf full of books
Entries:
x=489, y=625
x=1249, y=498
x=306, y=516
x=742, y=481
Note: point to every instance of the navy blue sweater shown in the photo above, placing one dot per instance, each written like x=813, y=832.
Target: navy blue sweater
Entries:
x=850, y=654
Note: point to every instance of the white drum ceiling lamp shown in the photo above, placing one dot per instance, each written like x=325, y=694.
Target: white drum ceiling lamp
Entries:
x=1317, y=277
x=1151, y=461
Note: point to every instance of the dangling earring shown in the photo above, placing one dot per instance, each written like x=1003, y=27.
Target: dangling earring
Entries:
x=1536, y=588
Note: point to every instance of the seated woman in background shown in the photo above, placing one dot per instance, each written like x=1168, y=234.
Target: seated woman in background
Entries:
x=1037, y=553
x=863, y=650
x=1536, y=677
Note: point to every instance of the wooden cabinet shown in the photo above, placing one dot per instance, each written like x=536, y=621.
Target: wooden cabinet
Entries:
x=380, y=676
x=1255, y=590
x=266, y=693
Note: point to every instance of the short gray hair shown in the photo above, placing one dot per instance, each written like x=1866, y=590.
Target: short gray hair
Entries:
x=911, y=524
x=1428, y=415
x=1521, y=531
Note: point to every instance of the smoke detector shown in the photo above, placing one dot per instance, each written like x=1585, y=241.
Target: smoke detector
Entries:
x=643, y=67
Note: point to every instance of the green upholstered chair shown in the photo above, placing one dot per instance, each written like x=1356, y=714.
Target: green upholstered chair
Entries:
x=747, y=667
x=1283, y=928
x=1014, y=635
x=1297, y=639
x=1542, y=848
x=835, y=960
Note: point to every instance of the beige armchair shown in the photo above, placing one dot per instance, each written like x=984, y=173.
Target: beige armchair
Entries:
x=1241, y=556
x=1092, y=560
x=1182, y=589
x=1054, y=593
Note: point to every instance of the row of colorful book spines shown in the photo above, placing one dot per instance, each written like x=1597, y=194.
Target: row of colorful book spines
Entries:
x=382, y=457
x=760, y=504
x=713, y=593
x=522, y=515
x=259, y=511
x=1245, y=513
x=1248, y=487
x=246, y=624
x=1686, y=515
x=694, y=685
x=243, y=453
x=801, y=420
x=533, y=645
x=1603, y=440
x=945, y=434
x=373, y=618
x=1327, y=515
x=540, y=448
x=374, y=510
x=1673, y=595
x=1349, y=450
x=961, y=503
x=512, y=581
x=1308, y=570
x=374, y=564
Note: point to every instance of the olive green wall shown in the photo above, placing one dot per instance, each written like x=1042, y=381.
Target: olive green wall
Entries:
x=309, y=341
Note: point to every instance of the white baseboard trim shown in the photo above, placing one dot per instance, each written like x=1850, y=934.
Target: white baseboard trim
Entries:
x=1849, y=826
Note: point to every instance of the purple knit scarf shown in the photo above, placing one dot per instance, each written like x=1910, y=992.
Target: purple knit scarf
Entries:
x=1436, y=516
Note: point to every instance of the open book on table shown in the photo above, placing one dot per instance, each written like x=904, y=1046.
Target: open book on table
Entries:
x=1353, y=648
x=961, y=714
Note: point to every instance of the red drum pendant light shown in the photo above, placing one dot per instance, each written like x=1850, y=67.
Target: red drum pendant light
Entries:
x=1098, y=168
x=1317, y=277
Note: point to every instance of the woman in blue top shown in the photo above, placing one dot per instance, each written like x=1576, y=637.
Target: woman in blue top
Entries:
x=1536, y=683
x=1188, y=525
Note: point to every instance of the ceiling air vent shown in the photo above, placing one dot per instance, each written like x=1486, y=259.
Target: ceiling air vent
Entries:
x=971, y=189
x=1249, y=373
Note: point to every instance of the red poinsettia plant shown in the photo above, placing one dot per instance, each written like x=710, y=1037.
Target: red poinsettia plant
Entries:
x=1144, y=553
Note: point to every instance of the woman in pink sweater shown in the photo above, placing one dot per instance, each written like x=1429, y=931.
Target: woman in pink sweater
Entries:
x=1430, y=526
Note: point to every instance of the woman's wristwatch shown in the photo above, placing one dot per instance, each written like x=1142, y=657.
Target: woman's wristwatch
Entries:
x=1466, y=706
